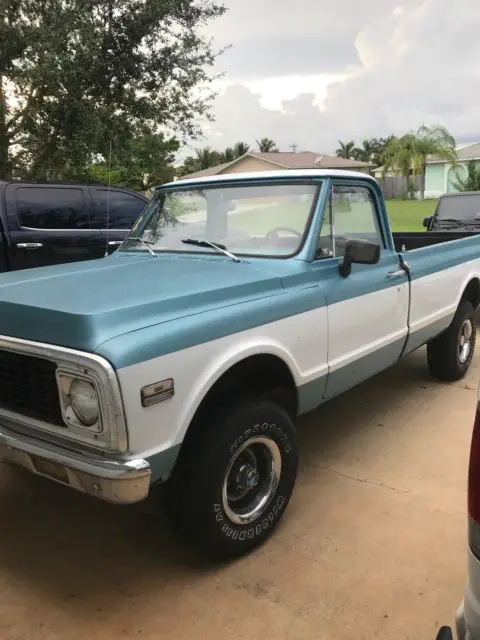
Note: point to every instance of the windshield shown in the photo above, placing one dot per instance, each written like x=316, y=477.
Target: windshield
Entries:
x=464, y=207
x=262, y=220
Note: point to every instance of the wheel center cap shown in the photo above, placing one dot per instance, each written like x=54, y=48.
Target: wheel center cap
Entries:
x=251, y=478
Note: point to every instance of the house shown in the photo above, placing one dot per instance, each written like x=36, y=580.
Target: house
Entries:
x=257, y=161
x=440, y=175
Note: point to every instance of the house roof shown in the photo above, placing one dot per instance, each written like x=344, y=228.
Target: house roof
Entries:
x=280, y=173
x=288, y=160
x=464, y=152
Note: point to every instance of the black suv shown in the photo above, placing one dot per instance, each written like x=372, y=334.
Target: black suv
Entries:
x=51, y=223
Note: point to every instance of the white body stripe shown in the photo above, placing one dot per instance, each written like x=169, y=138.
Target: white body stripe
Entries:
x=437, y=295
x=360, y=326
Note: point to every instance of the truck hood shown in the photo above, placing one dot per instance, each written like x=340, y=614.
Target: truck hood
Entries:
x=81, y=305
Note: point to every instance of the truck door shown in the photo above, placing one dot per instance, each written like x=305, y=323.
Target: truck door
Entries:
x=367, y=310
x=50, y=224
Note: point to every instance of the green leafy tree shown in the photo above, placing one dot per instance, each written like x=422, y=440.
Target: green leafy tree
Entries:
x=203, y=159
x=366, y=151
x=267, y=145
x=142, y=163
x=472, y=181
x=407, y=155
x=79, y=75
x=345, y=150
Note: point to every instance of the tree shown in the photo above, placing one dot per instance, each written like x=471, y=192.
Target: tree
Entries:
x=267, y=145
x=146, y=161
x=79, y=75
x=345, y=150
x=366, y=151
x=408, y=154
x=472, y=181
x=203, y=159
x=240, y=149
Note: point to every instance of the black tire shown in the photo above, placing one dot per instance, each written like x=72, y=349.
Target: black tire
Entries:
x=201, y=512
x=446, y=359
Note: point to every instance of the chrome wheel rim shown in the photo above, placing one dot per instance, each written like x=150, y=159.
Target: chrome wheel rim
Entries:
x=251, y=479
x=465, y=341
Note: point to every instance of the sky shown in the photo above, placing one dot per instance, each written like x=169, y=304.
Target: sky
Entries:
x=312, y=72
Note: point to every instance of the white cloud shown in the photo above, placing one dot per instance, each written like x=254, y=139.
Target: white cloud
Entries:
x=413, y=62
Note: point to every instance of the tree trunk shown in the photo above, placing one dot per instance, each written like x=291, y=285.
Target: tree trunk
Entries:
x=5, y=168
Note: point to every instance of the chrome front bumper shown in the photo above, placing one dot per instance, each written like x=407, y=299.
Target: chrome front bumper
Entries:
x=117, y=481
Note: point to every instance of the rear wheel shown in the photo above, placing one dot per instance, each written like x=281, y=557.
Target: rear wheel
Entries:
x=449, y=356
x=234, y=480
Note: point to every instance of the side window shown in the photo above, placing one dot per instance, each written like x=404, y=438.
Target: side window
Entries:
x=351, y=213
x=48, y=208
x=122, y=209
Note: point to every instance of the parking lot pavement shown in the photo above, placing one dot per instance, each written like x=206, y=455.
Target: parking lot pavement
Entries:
x=372, y=545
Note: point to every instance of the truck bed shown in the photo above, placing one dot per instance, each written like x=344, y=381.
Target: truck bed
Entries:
x=406, y=241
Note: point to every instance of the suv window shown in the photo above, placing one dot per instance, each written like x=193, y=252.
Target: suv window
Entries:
x=350, y=213
x=123, y=209
x=49, y=208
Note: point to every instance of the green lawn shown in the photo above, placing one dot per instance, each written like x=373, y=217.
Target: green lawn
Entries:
x=408, y=215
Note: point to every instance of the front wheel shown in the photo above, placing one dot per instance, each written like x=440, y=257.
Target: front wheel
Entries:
x=235, y=479
x=449, y=355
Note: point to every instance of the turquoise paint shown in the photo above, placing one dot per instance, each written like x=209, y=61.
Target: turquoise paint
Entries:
x=310, y=395
x=162, y=463
x=428, y=260
x=422, y=336
x=352, y=374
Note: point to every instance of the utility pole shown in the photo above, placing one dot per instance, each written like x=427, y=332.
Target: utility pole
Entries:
x=294, y=147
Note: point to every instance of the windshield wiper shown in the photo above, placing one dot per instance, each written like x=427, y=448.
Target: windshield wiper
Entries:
x=144, y=242
x=214, y=245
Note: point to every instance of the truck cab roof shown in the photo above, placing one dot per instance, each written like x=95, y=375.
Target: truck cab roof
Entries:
x=266, y=175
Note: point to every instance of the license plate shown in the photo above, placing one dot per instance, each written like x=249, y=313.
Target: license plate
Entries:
x=50, y=469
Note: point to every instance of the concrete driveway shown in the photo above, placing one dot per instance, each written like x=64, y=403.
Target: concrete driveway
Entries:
x=372, y=545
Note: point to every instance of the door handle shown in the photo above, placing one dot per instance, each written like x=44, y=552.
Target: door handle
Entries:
x=392, y=275
x=29, y=245
x=114, y=243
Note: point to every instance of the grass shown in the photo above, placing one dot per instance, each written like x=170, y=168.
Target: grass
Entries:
x=408, y=215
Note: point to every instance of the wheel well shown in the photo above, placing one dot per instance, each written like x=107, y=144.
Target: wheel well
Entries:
x=261, y=375
x=472, y=292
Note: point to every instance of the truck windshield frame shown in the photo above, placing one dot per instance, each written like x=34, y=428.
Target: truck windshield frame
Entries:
x=261, y=219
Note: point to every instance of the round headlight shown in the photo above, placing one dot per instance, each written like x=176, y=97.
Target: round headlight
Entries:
x=84, y=401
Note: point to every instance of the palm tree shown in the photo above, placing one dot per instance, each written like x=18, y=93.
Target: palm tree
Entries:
x=345, y=150
x=408, y=155
x=203, y=159
x=366, y=151
x=267, y=145
x=240, y=149
x=228, y=155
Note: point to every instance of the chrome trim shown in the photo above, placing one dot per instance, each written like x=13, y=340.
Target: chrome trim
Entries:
x=29, y=245
x=114, y=436
x=117, y=481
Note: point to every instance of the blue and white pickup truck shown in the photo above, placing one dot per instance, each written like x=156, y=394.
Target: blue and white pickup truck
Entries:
x=235, y=304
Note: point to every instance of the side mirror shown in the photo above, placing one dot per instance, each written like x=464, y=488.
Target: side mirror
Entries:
x=427, y=221
x=359, y=252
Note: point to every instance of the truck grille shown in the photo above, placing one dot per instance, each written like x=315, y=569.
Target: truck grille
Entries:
x=28, y=387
